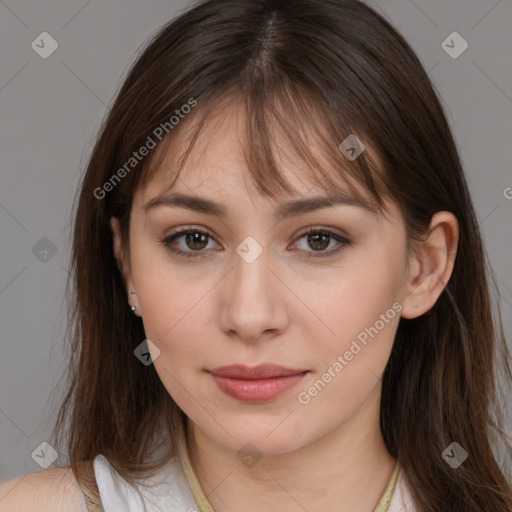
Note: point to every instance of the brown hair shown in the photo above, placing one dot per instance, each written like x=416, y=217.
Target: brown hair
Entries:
x=328, y=69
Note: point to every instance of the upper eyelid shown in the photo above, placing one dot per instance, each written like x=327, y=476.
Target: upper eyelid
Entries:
x=300, y=233
x=345, y=239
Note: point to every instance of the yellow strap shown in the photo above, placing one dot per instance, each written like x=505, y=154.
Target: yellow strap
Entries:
x=87, y=482
x=204, y=505
x=193, y=483
x=383, y=504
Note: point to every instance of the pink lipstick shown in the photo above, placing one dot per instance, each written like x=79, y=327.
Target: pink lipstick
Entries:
x=256, y=384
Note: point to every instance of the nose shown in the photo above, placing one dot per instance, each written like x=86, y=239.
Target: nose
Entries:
x=253, y=300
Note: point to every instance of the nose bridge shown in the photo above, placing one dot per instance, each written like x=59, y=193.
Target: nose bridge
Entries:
x=250, y=272
x=252, y=302
x=251, y=275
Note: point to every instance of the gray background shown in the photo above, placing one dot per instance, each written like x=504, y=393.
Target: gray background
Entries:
x=51, y=109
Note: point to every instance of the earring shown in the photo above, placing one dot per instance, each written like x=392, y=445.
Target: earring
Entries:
x=133, y=308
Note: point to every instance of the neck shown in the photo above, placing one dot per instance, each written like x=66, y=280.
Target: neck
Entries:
x=345, y=470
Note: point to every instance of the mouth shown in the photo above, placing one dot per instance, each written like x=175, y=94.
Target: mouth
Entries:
x=257, y=384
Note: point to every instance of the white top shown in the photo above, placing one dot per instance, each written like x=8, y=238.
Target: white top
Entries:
x=169, y=491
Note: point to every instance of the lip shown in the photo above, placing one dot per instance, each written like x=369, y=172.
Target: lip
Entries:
x=262, y=371
x=256, y=384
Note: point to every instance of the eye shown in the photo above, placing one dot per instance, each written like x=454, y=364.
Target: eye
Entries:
x=319, y=240
x=194, y=239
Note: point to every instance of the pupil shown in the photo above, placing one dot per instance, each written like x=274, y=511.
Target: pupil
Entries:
x=316, y=241
x=194, y=238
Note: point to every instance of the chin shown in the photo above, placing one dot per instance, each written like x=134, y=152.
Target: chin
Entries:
x=264, y=440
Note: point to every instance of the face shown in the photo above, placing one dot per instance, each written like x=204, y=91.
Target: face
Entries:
x=249, y=288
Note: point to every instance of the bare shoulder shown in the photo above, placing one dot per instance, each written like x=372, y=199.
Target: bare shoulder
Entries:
x=52, y=489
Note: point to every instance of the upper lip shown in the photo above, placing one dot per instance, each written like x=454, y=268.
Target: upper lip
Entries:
x=262, y=371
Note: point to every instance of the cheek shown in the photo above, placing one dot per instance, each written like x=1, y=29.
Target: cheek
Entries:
x=355, y=297
x=360, y=312
x=173, y=318
x=350, y=362
x=170, y=302
x=174, y=321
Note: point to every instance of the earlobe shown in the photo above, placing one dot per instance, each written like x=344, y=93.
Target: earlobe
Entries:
x=431, y=265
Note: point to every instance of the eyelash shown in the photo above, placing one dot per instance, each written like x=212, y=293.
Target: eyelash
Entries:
x=308, y=255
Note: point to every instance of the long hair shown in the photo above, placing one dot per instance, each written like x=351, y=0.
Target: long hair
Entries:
x=301, y=69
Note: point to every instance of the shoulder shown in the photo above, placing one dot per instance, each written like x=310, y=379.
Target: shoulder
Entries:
x=51, y=489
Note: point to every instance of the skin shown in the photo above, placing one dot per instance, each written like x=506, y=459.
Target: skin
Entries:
x=217, y=309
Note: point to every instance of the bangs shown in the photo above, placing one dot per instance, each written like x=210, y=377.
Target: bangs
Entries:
x=287, y=124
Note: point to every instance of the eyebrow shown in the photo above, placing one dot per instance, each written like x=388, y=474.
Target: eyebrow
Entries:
x=284, y=211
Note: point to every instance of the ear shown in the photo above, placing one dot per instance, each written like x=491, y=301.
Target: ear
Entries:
x=431, y=265
x=123, y=265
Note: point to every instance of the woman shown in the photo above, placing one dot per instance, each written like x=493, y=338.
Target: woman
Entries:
x=281, y=291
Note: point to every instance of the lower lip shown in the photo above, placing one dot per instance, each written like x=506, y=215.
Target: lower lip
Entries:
x=259, y=390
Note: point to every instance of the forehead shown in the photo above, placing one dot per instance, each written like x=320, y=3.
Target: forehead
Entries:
x=217, y=164
x=212, y=185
